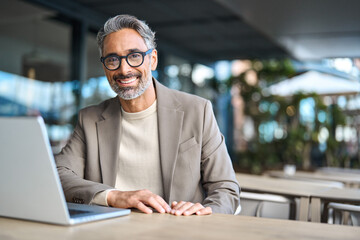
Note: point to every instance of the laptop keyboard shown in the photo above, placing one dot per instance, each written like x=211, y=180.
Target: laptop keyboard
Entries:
x=74, y=212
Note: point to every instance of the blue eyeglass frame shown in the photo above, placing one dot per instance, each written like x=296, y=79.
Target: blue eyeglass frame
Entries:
x=102, y=59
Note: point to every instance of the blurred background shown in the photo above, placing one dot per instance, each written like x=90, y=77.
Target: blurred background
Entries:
x=283, y=75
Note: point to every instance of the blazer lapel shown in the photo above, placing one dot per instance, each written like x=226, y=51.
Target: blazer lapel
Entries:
x=109, y=132
x=170, y=118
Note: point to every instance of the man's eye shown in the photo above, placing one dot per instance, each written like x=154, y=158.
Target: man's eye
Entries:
x=111, y=59
x=134, y=55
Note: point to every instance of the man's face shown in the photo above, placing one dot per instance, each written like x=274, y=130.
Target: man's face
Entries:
x=129, y=82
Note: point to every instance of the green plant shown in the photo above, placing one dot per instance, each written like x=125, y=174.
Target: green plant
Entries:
x=297, y=138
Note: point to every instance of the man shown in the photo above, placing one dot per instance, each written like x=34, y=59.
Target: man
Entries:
x=150, y=145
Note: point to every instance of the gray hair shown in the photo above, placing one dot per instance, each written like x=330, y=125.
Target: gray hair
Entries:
x=119, y=22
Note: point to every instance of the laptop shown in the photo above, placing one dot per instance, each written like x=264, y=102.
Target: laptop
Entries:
x=30, y=187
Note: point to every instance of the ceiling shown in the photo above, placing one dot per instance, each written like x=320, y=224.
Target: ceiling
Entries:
x=307, y=29
x=209, y=30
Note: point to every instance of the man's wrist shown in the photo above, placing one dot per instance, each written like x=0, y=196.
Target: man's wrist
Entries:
x=111, y=197
x=100, y=198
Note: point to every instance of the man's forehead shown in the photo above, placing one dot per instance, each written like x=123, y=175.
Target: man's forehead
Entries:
x=125, y=35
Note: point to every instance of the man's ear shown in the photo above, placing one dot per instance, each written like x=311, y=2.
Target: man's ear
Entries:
x=154, y=60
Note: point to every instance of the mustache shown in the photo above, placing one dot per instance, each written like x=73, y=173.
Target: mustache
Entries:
x=120, y=76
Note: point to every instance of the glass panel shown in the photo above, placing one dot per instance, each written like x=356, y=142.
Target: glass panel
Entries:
x=35, y=67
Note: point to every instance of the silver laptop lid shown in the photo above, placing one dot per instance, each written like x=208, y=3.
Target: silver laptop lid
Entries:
x=29, y=184
x=30, y=187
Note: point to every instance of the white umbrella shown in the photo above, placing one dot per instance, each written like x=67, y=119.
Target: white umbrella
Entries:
x=315, y=82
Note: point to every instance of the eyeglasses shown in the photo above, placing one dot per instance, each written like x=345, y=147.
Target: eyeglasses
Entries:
x=134, y=59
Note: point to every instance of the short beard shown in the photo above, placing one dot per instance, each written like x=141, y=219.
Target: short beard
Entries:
x=129, y=93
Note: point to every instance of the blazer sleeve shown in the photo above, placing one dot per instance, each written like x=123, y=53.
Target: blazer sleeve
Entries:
x=71, y=162
x=218, y=176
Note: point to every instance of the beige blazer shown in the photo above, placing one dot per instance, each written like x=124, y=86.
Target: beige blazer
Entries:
x=195, y=163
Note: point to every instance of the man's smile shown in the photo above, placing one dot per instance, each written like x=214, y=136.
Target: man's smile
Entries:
x=127, y=81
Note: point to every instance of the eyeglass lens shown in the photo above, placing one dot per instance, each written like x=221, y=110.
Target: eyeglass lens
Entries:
x=133, y=59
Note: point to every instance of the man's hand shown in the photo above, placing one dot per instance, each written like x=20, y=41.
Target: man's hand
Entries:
x=189, y=208
x=141, y=199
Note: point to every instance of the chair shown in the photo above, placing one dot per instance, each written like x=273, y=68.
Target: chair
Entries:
x=267, y=205
x=344, y=214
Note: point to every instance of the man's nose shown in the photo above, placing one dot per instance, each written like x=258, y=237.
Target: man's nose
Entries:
x=124, y=66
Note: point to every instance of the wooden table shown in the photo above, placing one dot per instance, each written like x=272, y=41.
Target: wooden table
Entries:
x=344, y=195
x=288, y=188
x=164, y=226
x=349, y=179
x=337, y=169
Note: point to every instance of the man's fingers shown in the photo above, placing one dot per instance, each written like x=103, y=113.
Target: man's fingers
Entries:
x=143, y=208
x=153, y=202
x=204, y=211
x=193, y=209
x=177, y=206
x=184, y=207
x=173, y=204
x=164, y=204
x=141, y=199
